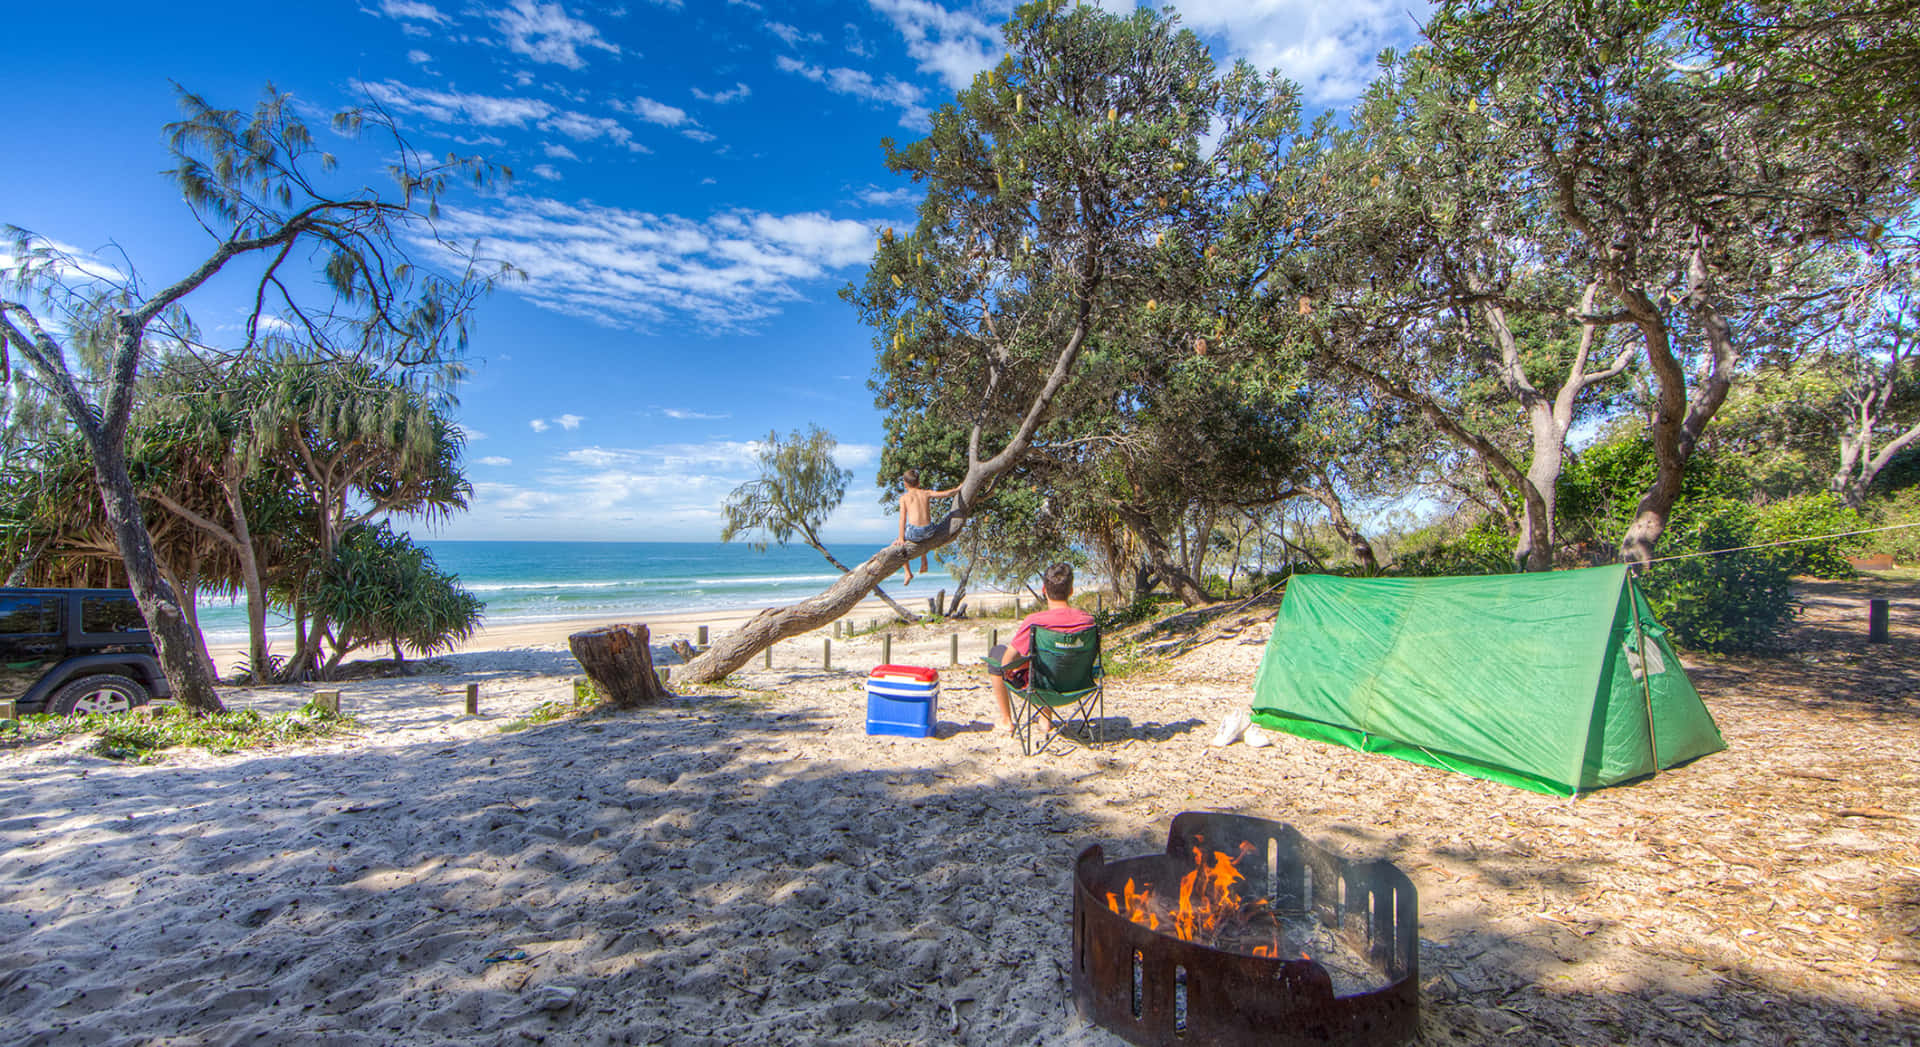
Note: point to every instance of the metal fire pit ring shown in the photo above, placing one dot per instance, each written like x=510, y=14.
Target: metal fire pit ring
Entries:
x=1152, y=988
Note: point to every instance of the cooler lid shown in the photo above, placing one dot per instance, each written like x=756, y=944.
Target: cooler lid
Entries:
x=906, y=672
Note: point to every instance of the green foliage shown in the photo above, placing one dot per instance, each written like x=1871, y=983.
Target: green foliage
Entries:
x=1729, y=602
x=1900, y=508
x=381, y=587
x=140, y=735
x=1481, y=549
x=1806, y=516
x=799, y=487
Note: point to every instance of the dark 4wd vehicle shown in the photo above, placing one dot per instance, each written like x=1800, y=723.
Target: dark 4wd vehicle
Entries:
x=71, y=651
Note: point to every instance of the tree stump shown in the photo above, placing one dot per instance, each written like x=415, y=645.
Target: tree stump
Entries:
x=620, y=663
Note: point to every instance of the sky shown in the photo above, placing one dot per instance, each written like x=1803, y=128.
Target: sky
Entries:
x=694, y=182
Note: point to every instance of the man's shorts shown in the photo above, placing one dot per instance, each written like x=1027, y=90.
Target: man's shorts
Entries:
x=998, y=654
x=917, y=533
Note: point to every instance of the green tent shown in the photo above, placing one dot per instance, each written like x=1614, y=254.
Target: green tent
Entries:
x=1560, y=681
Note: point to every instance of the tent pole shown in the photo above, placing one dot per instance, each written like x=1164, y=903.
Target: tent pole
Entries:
x=1646, y=673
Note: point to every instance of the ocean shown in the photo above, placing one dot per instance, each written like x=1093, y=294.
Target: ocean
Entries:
x=552, y=581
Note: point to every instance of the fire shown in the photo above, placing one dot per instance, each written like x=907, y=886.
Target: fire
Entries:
x=1209, y=900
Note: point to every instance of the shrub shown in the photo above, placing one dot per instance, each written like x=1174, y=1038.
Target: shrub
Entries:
x=1803, y=517
x=1481, y=550
x=1730, y=602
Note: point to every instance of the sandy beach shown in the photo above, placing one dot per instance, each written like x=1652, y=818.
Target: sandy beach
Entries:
x=746, y=865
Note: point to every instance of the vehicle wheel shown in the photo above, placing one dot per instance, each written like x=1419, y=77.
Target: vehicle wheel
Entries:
x=106, y=693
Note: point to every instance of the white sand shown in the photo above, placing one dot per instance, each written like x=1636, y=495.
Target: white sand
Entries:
x=748, y=866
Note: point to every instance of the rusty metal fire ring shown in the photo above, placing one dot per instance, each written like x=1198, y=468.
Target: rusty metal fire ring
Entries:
x=1150, y=987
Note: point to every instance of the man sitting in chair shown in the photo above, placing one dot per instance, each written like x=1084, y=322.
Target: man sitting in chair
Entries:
x=1056, y=584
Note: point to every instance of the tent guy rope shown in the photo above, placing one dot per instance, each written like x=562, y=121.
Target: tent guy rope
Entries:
x=1784, y=541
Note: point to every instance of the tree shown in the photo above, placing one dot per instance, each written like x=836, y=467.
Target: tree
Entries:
x=256, y=183
x=379, y=587
x=1697, y=219
x=1047, y=181
x=800, y=485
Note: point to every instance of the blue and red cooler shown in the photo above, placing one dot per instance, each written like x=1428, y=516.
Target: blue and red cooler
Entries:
x=903, y=700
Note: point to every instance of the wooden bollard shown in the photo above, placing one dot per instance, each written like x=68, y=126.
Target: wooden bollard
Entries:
x=836, y=628
x=953, y=649
x=327, y=701
x=826, y=652
x=703, y=636
x=993, y=638
x=473, y=699
x=886, y=649
x=769, y=659
x=1877, y=620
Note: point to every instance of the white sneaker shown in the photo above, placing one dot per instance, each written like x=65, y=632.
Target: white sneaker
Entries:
x=1257, y=738
x=1230, y=731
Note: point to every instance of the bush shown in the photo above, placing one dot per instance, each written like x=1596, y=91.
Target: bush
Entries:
x=1803, y=517
x=1902, y=507
x=1482, y=550
x=1731, y=602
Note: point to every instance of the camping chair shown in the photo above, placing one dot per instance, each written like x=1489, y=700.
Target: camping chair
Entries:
x=1063, y=674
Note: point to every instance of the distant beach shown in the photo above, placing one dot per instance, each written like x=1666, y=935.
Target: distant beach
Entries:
x=528, y=584
x=537, y=593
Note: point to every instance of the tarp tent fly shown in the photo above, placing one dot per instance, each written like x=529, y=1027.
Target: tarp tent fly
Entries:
x=1557, y=681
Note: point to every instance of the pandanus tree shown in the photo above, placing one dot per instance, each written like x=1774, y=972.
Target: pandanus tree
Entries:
x=1046, y=182
x=332, y=260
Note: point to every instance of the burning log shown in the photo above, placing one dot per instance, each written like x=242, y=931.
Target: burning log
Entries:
x=620, y=664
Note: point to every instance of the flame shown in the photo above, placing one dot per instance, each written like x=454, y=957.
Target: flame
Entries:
x=1208, y=899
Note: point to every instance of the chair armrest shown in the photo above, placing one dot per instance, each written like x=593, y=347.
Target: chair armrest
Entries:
x=1015, y=662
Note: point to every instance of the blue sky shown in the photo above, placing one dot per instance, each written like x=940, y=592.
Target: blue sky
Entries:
x=695, y=180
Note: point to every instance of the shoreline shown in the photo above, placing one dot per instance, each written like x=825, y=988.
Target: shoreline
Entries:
x=664, y=627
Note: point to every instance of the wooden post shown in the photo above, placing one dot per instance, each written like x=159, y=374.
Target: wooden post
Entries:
x=953, y=649
x=327, y=701
x=940, y=602
x=1877, y=620
x=619, y=661
x=703, y=636
x=9, y=711
x=769, y=656
x=993, y=638
x=473, y=699
x=826, y=652
x=886, y=649
x=1099, y=603
x=836, y=627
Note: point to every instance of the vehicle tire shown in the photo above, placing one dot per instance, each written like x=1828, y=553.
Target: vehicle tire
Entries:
x=105, y=693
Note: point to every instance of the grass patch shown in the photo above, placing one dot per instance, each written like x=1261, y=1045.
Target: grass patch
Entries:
x=585, y=699
x=139, y=736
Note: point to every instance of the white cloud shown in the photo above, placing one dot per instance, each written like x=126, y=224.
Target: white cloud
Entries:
x=569, y=421
x=953, y=45
x=686, y=415
x=862, y=85
x=560, y=152
x=493, y=459
x=547, y=171
x=668, y=491
x=539, y=425
x=875, y=196
x=419, y=57
x=697, y=135
x=413, y=10
x=657, y=112
x=738, y=92
x=546, y=33
x=635, y=268
x=60, y=261
x=455, y=107
x=1327, y=48
x=791, y=35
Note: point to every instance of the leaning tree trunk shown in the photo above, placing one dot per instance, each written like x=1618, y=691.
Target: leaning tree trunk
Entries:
x=619, y=661
x=904, y=614
x=179, y=645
